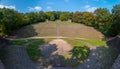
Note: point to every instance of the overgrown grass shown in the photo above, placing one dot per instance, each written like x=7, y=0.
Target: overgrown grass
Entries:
x=79, y=53
x=19, y=42
x=34, y=50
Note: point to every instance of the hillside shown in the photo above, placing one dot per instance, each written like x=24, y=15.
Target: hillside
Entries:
x=58, y=29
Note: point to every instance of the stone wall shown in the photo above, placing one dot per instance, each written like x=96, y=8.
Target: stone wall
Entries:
x=3, y=42
x=115, y=42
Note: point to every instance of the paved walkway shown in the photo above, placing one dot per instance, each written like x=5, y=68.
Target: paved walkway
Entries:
x=60, y=37
x=17, y=58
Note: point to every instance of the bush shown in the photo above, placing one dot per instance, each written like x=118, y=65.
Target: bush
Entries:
x=80, y=52
x=33, y=49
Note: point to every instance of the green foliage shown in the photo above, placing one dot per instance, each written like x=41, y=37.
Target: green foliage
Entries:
x=33, y=17
x=77, y=16
x=19, y=42
x=51, y=16
x=115, y=27
x=116, y=10
x=33, y=49
x=80, y=52
x=88, y=18
x=10, y=20
x=65, y=16
x=2, y=30
x=103, y=19
x=84, y=17
x=41, y=16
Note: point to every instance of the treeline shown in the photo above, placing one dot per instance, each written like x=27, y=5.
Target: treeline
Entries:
x=102, y=19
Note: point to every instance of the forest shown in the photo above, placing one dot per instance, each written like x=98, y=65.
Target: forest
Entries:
x=101, y=19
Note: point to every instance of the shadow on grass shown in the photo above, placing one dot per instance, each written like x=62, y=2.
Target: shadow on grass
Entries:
x=27, y=31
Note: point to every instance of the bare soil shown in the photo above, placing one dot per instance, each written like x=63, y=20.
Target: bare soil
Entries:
x=54, y=53
x=62, y=47
x=59, y=29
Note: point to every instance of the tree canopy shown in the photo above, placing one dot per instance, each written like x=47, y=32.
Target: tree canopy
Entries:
x=106, y=22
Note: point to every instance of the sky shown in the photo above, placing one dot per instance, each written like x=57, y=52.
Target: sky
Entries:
x=57, y=5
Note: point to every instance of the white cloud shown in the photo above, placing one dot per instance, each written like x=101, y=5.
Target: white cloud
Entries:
x=5, y=6
x=89, y=8
x=49, y=8
x=36, y=8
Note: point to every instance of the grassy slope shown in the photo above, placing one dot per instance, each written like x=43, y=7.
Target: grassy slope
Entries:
x=65, y=29
x=82, y=42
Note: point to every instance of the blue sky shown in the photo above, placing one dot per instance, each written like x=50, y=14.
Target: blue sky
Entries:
x=57, y=5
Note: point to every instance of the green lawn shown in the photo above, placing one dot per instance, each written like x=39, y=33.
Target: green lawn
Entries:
x=82, y=42
x=96, y=42
x=19, y=42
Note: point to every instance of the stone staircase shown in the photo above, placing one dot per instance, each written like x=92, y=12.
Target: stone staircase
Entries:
x=17, y=58
x=1, y=65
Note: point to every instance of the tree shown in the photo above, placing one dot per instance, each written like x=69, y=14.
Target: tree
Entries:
x=64, y=16
x=77, y=17
x=103, y=19
x=41, y=16
x=88, y=18
x=116, y=10
x=115, y=27
x=51, y=15
x=10, y=20
x=2, y=30
x=33, y=17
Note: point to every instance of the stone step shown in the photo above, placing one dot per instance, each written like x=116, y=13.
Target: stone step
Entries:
x=1, y=65
x=17, y=58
